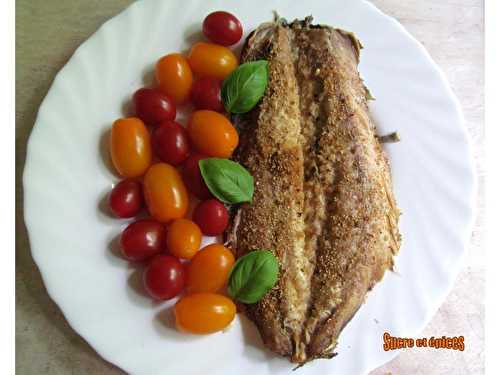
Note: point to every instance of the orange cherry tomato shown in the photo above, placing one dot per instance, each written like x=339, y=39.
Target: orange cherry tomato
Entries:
x=130, y=147
x=174, y=76
x=212, y=134
x=203, y=313
x=209, y=269
x=212, y=60
x=165, y=193
x=183, y=238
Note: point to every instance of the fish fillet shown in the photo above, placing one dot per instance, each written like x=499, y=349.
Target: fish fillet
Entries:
x=323, y=200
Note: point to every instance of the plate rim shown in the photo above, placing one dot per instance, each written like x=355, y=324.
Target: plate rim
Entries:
x=451, y=274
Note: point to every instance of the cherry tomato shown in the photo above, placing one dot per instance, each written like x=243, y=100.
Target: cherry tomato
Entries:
x=183, y=238
x=212, y=134
x=165, y=193
x=170, y=142
x=209, y=269
x=222, y=28
x=125, y=200
x=211, y=216
x=204, y=313
x=164, y=277
x=193, y=179
x=174, y=77
x=211, y=60
x=152, y=106
x=142, y=239
x=130, y=147
x=206, y=94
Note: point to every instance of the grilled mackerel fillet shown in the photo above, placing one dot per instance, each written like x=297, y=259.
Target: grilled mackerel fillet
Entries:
x=323, y=200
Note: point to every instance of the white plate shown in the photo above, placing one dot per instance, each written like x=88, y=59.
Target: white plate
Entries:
x=67, y=176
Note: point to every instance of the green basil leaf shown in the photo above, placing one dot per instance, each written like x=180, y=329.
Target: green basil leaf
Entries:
x=252, y=276
x=227, y=180
x=244, y=87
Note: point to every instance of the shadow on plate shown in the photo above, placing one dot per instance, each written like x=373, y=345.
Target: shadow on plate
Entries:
x=255, y=349
x=164, y=325
x=148, y=75
x=103, y=205
x=193, y=34
x=104, y=152
x=127, y=110
x=113, y=251
x=135, y=283
x=166, y=318
x=114, y=247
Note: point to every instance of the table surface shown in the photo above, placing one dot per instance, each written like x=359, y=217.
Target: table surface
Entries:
x=48, y=32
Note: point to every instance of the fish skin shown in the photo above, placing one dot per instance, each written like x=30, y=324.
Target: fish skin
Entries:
x=323, y=198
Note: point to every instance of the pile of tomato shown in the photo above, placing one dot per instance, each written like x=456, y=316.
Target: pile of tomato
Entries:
x=158, y=158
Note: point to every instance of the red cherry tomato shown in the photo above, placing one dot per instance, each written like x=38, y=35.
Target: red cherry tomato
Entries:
x=211, y=216
x=193, y=179
x=164, y=277
x=142, y=239
x=222, y=28
x=205, y=94
x=125, y=200
x=170, y=142
x=153, y=106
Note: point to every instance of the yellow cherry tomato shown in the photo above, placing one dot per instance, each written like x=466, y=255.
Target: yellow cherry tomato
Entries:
x=166, y=196
x=212, y=134
x=204, y=313
x=183, y=238
x=212, y=60
x=209, y=269
x=174, y=77
x=130, y=147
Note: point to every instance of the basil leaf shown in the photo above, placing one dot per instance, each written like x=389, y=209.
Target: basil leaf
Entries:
x=252, y=276
x=244, y=87
x=227, y=180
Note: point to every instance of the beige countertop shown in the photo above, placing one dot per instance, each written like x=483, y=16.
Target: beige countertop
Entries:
x=48, y=32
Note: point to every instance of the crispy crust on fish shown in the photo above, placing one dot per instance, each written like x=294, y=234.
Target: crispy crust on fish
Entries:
x=323, y=198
